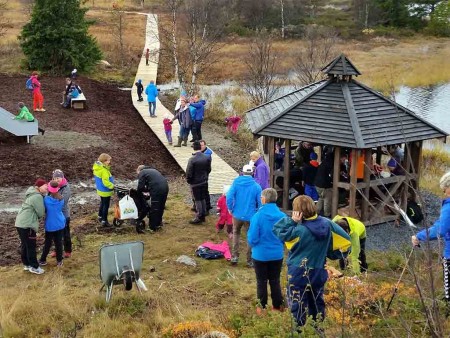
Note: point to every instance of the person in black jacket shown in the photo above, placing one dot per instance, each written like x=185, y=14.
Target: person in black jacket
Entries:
x=151, y=181
x=324, y=183
x=197, y=171
x=140, y=89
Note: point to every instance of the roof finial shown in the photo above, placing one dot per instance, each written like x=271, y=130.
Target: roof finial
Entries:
x=341, y=65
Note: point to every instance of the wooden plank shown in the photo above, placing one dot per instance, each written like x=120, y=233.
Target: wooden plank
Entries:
x=336, y=171
x=381, y=219
x=287, y=170
x=353, y=181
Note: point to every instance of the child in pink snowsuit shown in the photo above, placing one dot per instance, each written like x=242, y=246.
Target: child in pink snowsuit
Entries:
x=168, y=128
x=225, y=217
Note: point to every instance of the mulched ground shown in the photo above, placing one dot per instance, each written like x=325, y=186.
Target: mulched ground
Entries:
x=110, y=116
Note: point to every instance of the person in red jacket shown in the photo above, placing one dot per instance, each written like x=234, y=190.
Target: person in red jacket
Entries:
x=225, y=217
x=38, y=98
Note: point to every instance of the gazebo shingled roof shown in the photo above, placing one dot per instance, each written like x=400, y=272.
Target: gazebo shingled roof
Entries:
x=341, y=66
x=340, y=113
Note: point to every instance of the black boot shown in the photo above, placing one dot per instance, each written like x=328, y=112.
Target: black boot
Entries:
x=179, y=142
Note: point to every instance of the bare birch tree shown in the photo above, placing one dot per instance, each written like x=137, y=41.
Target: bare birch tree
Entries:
x=118, y=24
x=282, y=18
x=259, y=83
x=318, y=51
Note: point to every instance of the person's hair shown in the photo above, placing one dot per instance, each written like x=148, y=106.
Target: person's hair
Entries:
x=104, y=157
x=270, y=194
x=152, y=81
x=444, y=182
x=140, y=167
x=255, y=154
x=343, y=223
x=68, y=79
x=203, y=141
x=21, y=104
x=34, y=73
x=305, y=205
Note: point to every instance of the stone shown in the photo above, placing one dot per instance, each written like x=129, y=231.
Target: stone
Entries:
x=183, y=259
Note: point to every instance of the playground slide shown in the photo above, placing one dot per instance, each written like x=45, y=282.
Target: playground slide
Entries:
x=16, y=127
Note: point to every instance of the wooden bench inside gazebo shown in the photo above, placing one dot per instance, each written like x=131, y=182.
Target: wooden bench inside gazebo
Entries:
x=342, y=113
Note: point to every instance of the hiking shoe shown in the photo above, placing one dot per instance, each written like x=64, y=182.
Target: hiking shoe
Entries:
x=53, y=254
x=37, y=271
x=193, y=208
x=42, y=263
x=67, y=254
x=59, y=264
x=26, y=267
x=250, y=265
x=234, y=261
x=279, y=309
x=99, y=219
x=105, y=224
x=260, y=311
x=197, y=220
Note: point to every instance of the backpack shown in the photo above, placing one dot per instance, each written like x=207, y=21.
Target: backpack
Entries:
x=29, y=84
x=414, y=212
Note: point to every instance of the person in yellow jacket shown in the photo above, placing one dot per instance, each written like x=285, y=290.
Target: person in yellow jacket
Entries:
x=357, y=232
x=104, y=183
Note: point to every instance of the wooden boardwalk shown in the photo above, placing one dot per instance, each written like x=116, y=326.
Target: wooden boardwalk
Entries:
x=221, y=173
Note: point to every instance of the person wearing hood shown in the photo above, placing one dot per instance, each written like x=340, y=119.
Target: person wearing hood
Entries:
x=152, y=182
x=38, y=98
x=140, y=89
x=309, y=176
x=104, y=183
x=152, y=92
x=197, y=171
x=307, y=237
x=267, y=250
x=262, y=170
x=54, y=224
x=197, y=110
x=27, y=224
x=440, y=229
x=64, y=191
x=243, y=200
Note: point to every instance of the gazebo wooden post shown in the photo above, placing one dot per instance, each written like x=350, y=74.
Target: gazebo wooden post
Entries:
x=408, y=177
x=336, y=170
x=379, y=153
x=366, y=189
x=271, y=141
x=416, y=161
x=353, y=182
x=286, y=174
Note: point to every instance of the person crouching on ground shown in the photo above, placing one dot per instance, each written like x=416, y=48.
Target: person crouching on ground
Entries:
x=27, y=224
x=55, y=223
x=64, y=190
x=267, y=250
x=440, y=229
x=357, y=232
x=25, y=115
x=225, y=219
x=243, y=200
x=104, y=183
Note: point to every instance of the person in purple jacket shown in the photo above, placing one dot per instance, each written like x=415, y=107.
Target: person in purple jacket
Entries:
x=262, y=171
x=440, y=229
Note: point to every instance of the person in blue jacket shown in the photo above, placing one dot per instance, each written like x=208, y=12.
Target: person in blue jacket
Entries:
x=440, y=229
x=243, y=200
x=197, y=109
x=152, y=92
x=267, y=250
x=55, y=222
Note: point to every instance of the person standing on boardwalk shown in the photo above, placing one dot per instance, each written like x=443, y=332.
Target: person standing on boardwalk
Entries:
x=197, y=171
x=147, y=56
x=197, y=107
x=167, y=122
x=208, y=152
x=27, y=224
x=104, y=183
x=262, y=170
x=38, y=98
x=152, y=92
x=140, y=89
x=183, y=116
x=243, y=200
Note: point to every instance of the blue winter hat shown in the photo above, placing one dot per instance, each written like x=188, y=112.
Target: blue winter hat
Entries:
x=313, y=156
x=139, y=81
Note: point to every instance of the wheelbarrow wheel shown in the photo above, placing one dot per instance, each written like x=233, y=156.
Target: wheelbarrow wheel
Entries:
x=117, y=222
x=127, y=280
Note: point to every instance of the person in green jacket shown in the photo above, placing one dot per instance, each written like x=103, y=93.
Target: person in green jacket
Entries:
x=104, y=183
x=357, y=232
x=24, y=114
x=27, y=224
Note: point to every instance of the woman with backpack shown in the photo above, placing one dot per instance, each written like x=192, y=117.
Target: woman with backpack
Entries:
x=38, y=98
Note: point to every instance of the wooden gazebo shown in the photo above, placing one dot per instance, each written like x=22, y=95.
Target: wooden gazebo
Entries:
x=344, y=113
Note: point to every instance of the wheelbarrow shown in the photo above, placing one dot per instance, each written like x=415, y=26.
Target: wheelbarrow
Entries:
x=121, y=264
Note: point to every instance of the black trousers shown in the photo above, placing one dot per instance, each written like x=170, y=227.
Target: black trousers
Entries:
x=268, y=271
x=28, y=247
x=157, y=210
x=103, y=209
x=197, y=130
x=53, y=237
x=199, y=193
x=67, y=240
x=361, y=258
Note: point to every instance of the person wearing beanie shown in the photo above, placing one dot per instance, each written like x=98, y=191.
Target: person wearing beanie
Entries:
x=440, y=229
x=309, y=176
x=64, y=190
x=140, y=89
x=27, y=224
x=197, y=171
x=243, y=201
x=104, y=183
x=54, y=223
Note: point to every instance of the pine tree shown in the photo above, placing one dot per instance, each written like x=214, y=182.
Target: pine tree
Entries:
x=57, y=39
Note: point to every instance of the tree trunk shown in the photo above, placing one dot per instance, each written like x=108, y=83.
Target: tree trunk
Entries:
x=282, y=18
x=174, y=43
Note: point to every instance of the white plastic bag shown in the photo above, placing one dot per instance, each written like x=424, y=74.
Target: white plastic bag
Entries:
x=128, y=209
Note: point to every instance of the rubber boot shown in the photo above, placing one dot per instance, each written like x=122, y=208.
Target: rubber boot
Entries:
x=185, y=141
x=179, y=142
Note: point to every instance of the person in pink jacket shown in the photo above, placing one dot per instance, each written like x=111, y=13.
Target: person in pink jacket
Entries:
x=225, y=217
x=38, y=98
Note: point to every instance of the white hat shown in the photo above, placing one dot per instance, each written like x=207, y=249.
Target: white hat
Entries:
x=247, y=169
x=226, y=188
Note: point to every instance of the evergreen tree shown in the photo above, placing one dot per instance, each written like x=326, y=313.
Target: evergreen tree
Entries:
x=57, y=39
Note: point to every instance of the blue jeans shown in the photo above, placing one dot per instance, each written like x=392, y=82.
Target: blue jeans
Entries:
x=184, y=132
x=169, y=135
x=152, y=108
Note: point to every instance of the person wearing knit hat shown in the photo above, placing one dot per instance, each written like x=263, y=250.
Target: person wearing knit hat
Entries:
x=54, y=223
x=27, y=224
x=64, y=190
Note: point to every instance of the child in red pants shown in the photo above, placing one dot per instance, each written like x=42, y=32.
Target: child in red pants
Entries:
x=225, y=217
x=38, y=98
